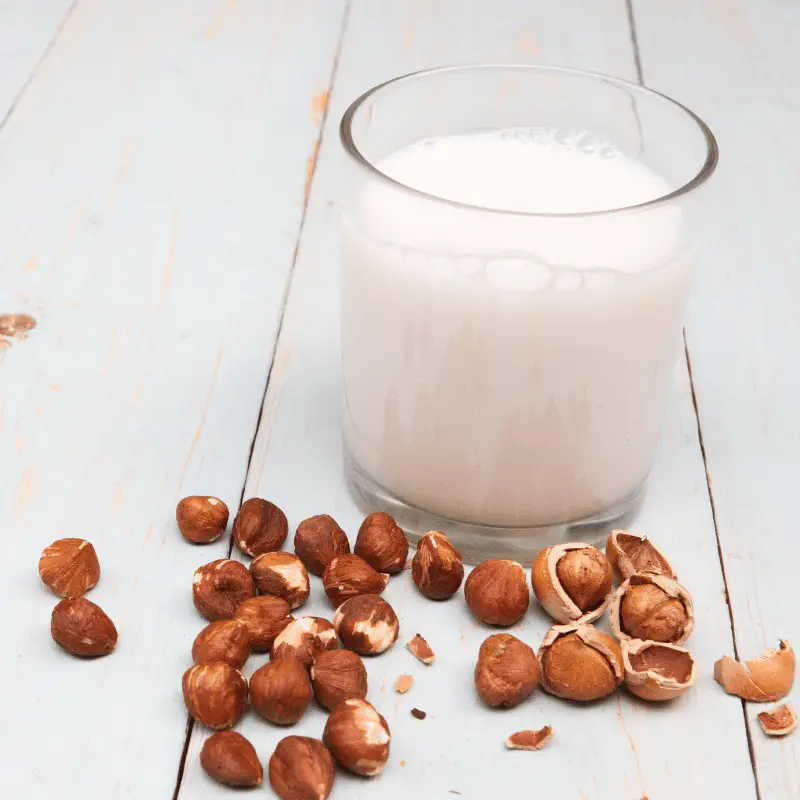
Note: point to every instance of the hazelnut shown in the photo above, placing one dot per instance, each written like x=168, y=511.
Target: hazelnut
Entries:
x=572, y=582
x=629, y=553
x=762, y=680
x=220, y=587
x=215, y=694
x=259, y=527
x=349, y=576
x=265, y=617
x=338, y=675
x=318, y=541
x=201, y=519
x=358, y=737
x=301, y=768
x=280, y=691
x=229, y=758
x=281, y=575
x=224, y=640
x=652, y=607
x=82, y=628
x=657, y=670
x=69, y=567
x=497, y=592
x=366, y=624
x=382, y=543
x=579, y=662
x=437, y=568
x=304, y=639
x=778, y=722
x=507, y=671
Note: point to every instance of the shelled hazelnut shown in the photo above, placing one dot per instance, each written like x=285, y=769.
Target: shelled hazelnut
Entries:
x=201, y=519
x=366, y=624
x=382, y=543
x=280, y=691
x=358, y=737
x=657, y=670
x=629, y=553
x=301, y=768
x=349, y=576
x=82, y=628
x=69, y=567
x=497, y=592
x=579, y=663
x=224, y=640
x=437, y=568
x=215, y=694
x=230, y=759
x=218, y=588
x=652, y=607
x=338, y=675
x=304, y=639
x=281, y=575
x=507, y=671
x=318, y=541
x=265, y=617
x=259, y=527
x=572, y=582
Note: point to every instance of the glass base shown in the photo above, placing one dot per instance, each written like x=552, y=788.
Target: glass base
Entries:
x=480, y=542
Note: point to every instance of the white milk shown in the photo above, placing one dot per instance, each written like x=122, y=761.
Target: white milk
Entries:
x=505, y=369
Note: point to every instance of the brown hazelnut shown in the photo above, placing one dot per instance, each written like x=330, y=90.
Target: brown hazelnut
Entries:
x=382, y=543
x=318, y=541
x=82, y=628
x=657, y=670
x=281, y=575
x=259, y=527
x=230, y=759
x=280, y=691
x=507, y=671
x=224, y=640
x=497, y=592
x=366, y=624
x=579, y=662
x=201, y=519
x=220, y=587
x=437, y=568
x=573, y=582
x=338, y=675
x=215, y=694
x=652, y=607
x=349, y=576
x=358, y=737
x=301, y=768
x=781, y=721
x=629, y=553
x=304, y=639
x=69, y=567
x=265, y=617
x=762, y=680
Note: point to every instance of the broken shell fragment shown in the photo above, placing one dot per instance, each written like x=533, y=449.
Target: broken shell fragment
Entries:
x=778, y=722
x=530, y=740
x=657, y=670
x=762, y=680
x=630, y=553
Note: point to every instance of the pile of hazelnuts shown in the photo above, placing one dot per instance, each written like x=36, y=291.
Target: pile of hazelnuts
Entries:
x=250, y=610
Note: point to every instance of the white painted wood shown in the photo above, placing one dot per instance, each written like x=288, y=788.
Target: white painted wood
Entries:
x=738, y=69
x=695, y=747
x=152, y=184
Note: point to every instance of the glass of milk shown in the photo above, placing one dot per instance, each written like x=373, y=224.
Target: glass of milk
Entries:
x=518, y=244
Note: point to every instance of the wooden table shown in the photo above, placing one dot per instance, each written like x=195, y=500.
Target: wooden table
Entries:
x=169, y=179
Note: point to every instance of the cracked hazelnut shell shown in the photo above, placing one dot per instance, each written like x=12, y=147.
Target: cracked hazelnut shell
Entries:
x=572, y=582
x=437, y=568
x=224, y=640
x=338, y=675
x=69, y=567
x=366, y=624
x=230, y=759
x=762, y=680
x=304, y=639
x=382, y=543
x=629, y=553
x=281, y=575
x=218, y=588
x=781, y=721
x=349, y=576
x=259, y=527
x=82, y=628
x=657, y=671
x=215, y=694
x=497, y=592
x=280, y=691
x=318, y=541
x=579, y=662
x=652, y=608
x=358, y=737
x=201, y=519
x=301, y=768
x=265, y=617
x=507, y=671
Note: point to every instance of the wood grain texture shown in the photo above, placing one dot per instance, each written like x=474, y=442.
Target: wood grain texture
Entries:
x=695, y=747
x=152, y=183
x=738, y=69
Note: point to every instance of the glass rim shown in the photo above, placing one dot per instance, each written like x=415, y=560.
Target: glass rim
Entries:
x=703, y=174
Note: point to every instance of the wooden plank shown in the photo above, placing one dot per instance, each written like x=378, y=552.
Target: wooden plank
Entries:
x=737, y=69
x=152, y=184
x=618, y=749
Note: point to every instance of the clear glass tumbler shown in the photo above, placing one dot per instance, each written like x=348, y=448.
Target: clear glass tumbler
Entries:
x=517, y=245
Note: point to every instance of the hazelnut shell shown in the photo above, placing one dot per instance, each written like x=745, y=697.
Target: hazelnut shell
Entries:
x=69, y=567
x=437, y=568
x=301, y=768
x=280, y=691
x=230, y=759
x=497, y=592
x=657, y=671
x=629, y=553
x=224, y=640
x=764, y=679
x=259, y=527
x=358, y=737
x=778, y=722
x=82, y=628
x=349, y=576
x=653, y=612
x=304, y=639
x=507, y=671
x=201, y=519
x=281, y=575
x=265, y=617
x=215, y=694
x=382, y=543
x=338, y=675
x=366, y=624
x=318, y=541
x=218, y=588
x=548, y=583
x=530, y=740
